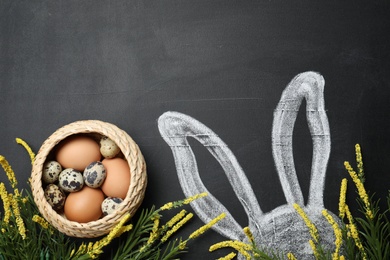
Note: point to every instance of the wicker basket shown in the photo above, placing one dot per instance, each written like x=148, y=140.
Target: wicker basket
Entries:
x=135, y=194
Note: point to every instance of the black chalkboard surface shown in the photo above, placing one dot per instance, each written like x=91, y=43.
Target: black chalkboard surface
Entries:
x=222, y=63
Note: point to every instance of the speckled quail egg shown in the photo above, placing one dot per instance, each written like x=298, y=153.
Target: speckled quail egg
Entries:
x=55, y=196
x=108, y=148
x=110, y=204
x=94, y=175
x=51, y=171
x=70, y=180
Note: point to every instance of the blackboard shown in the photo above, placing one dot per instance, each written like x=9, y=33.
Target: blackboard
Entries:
x=224, y=63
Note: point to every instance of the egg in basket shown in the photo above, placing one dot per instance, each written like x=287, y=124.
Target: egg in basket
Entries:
x=86, y=176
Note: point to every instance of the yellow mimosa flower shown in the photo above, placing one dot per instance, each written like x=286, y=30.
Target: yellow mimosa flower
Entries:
x=41, y=221
x=337, y=232
x=249, y=234
x=8, y=170
x=228, y=257
x=115, y=232
x=312, y=228
x=195, y=197
x=206, y=227
x=82, y=249
x=290, y=256
x=179, y=203
x=342, y=199
x=153, y=234
x=95, y=250
x=126, y=228
x=28, y=149
x=18, y=217
x=167, y=206
x=72, y=252
x=359, y=161
x=361, y=190
x=176, y=227
x=5, y=197
x=183, y=245
x=176, y=218
x=241, y=247
x=314, y=248
x=354, y=233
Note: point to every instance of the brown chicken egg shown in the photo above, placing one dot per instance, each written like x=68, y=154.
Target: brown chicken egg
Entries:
x=77, y=152
x=117, y=178
x=85, y=205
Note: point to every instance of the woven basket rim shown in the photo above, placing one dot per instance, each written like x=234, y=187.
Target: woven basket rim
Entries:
x=135, y=194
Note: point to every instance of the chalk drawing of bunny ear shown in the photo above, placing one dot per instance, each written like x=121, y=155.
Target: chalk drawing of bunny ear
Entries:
x=310, y=86
x=281, y=229
x=175, y=128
